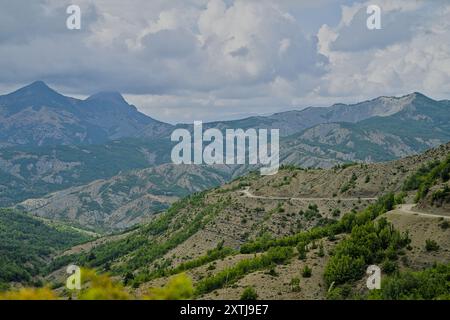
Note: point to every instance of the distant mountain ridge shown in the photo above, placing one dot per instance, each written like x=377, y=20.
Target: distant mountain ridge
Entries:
x=411, y=125
x=291, y=122
x=37, y=115
x=50, y=142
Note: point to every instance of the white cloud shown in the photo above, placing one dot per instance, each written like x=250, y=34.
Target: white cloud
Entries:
x=411, y=53
x=203, y=59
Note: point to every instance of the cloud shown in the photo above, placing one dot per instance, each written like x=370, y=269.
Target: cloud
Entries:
x=410, y=53
x=397, y=27
x=23, y=21
x=182, y=60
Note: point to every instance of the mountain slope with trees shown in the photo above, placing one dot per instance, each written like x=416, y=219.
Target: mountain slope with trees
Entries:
x=288, y=245
x=27, y=245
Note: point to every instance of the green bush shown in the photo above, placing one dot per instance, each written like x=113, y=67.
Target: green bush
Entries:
x=249, y=294
x=321, y=252
x=336, y=213
x=367, y=244
x=432, y=283
x=339, y=293
x=439, y=197
x=427, y=176
x=445, y=225
x=306, y=272
x=350, y=184
x=295, y=284
x=301, y=248
x=431, y=245
x=389, y=266
x=345, y=224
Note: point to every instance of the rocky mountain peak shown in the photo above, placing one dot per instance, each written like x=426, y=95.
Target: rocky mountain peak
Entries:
x=35, y=89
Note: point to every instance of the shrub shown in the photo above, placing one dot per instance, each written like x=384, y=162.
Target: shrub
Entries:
x=249, y=294
x=306, y=272
x=29, y=294
x=339, y=293
x=295, y=284
x=336, y=213
x=428, y=284
x=321, y=252
x=273, y=272
x=350, y=184
x=370, y=243
x=230, y=275
x=389, y=266
x=431, y=245
x=426, y=176
x=445, y=225
x=129, y=276
x=400, y=198
x=178, y=288
x=101, y=287
x=441, y=196
x=301, y=248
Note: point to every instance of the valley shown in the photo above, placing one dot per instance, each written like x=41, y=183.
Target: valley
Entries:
x=217, y=151
x=358, y=184
x=90, y=182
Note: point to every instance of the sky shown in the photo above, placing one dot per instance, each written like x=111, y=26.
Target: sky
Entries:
x=186, y=60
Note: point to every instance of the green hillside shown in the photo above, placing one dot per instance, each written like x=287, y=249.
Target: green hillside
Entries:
x=26, y=245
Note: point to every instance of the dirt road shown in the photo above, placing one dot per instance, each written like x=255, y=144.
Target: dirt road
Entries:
x=408, y=209
x=246, y=193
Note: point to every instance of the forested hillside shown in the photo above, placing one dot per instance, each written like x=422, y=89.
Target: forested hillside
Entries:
x=27, y=244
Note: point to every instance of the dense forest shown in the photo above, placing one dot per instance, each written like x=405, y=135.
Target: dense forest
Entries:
x=26, y=244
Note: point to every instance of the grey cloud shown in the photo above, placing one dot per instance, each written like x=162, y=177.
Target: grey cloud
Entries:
x=248, y=57
x=241, y=52
x=173, y=44
x=24, y=21
x=397, y=27
x=170, y=60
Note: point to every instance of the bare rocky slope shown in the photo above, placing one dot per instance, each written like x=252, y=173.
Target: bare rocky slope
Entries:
x=126, y=199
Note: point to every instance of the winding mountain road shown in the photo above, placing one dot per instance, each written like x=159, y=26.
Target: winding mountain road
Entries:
x=408, y=209
x=246, y=193
x=403, y=209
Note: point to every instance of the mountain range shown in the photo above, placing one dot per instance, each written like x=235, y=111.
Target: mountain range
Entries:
x=37, y=115
x=91, y=182
x=57, y=153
